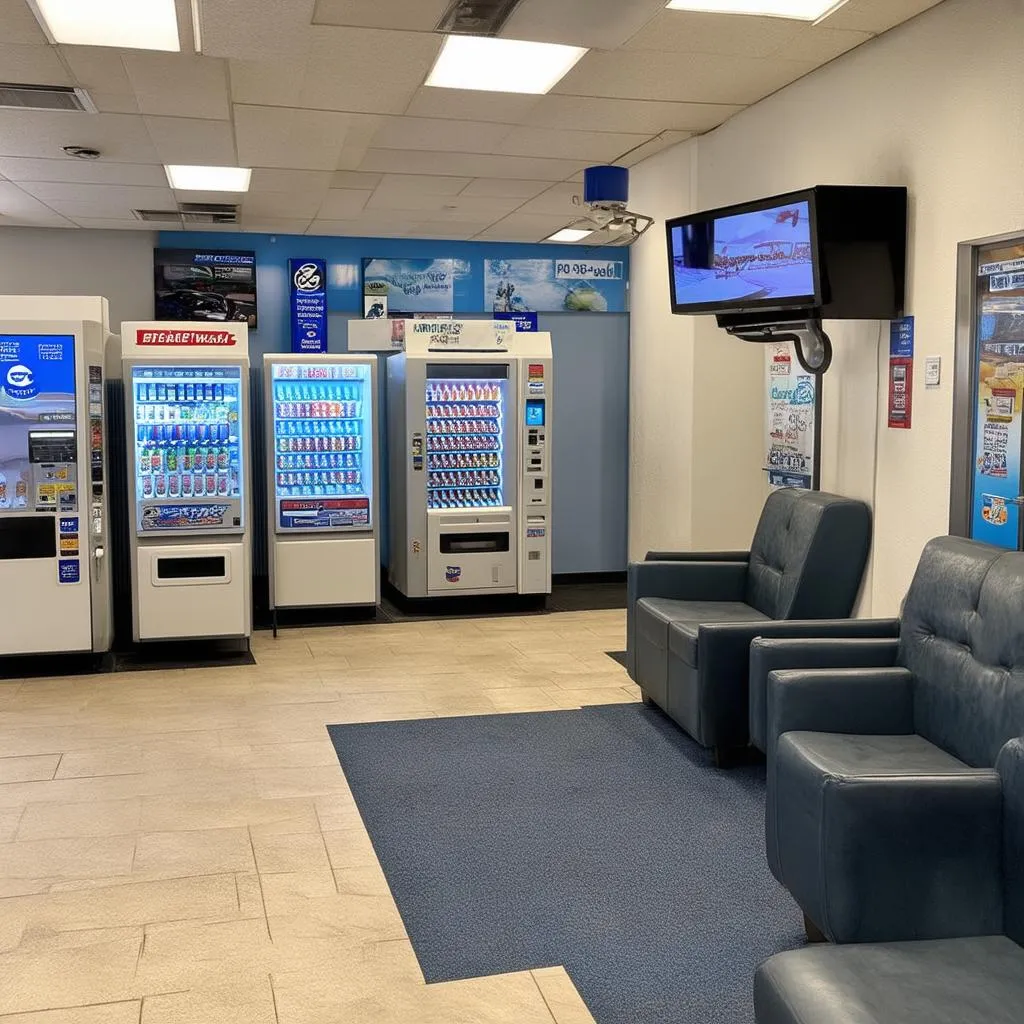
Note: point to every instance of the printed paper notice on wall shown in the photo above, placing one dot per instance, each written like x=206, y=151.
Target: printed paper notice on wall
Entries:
x=901, y=373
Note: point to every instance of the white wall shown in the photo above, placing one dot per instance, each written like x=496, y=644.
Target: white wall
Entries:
x=934, y=105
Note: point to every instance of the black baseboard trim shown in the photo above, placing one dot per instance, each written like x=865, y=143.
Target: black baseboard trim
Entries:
x=572, y=579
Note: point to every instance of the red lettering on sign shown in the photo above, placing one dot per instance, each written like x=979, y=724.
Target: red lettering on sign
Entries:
x=148, y=337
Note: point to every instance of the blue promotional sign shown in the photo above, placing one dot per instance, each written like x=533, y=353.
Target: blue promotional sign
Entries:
x=555, y=286
x=308, y=287
x=523, y=321
x=69, y=570
x=37, y=365
x=901, y=338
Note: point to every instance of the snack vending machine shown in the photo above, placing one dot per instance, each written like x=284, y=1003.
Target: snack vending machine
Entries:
x=321, y=445
x=187, y=388
x=54, y=567
x=470, y=441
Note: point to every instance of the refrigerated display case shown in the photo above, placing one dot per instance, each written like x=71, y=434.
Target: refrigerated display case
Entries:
x=188, y=423
x=54, y=568
x=469, y=437
x=321, y=440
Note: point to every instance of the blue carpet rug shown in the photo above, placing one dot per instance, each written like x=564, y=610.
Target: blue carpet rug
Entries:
x=600, y=839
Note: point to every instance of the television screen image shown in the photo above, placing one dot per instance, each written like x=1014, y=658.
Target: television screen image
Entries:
x=204, y=284
x=764, y=256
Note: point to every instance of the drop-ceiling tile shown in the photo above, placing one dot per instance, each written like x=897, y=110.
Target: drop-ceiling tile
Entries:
x=119, y=137
x=275, y=225
x=123, y=224
x=355, y=179
x=116, y=201
x=275, y=179
x=469, y=165
x=186, y=140
x=556, y=200
x=97, y=68
x=700, y=78
x=568, y=145
x=505, y=188
x=727, y=34
x=296, y=205
x=649, y=117
x=283, y=137
x=348, y=69
x=342, y=203
x=19, y=26
x=440, y=136
x=31, y=65
x=877, y=15
x=658, y=144
x=99, y=172
x=412, y=15
x=257, y=29
x=421, y=184
x=179, y=84
x=16, y=203
x=522, y=227
x=604, y=24
x=820, y=44
x=454, y=208
x=470, y=105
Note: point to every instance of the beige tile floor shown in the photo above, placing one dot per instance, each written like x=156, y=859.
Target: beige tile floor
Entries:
x=182, y=847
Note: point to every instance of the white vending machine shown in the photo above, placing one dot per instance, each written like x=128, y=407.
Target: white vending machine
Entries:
x=54, y=566
x=321, y=415
x=187, y=393
x=469, y=418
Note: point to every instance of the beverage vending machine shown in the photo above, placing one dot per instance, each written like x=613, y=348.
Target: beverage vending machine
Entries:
x=321, y=445
x=469, y=419
x=54, y=567
x=187, y=389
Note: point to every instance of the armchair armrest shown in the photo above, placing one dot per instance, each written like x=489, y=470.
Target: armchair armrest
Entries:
x=681, y=581
x=1010, y=765
x=724, y=663
x=698, y=556
x=775, y=654
x=869, y=702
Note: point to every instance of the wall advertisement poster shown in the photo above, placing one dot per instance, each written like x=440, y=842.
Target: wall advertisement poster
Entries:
x=999, y=372
x=791, y=408
x=569, y=285
x=401, y=287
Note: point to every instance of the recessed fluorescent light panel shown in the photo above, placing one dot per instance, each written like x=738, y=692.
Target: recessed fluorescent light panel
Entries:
x=797, y=10
x=132, y=24
x=569, y=235
x=208, y=179
x=502, y=65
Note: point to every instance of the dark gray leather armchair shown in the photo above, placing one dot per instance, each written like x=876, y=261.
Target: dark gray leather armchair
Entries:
x=972, y=980
x=691, y=617
x=884, y=801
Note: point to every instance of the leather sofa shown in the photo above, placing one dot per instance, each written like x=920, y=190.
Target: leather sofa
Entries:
x=691, y=617
x=966, y=980
x=884, y=804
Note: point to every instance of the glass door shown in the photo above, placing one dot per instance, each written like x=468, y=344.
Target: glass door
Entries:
x=188, y=448
x=998, y=392
x=323, y=446
x=466, y=417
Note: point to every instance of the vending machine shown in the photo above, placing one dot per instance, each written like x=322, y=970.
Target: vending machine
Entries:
x=54, y=566
x=187, y=391
x=469, y=419
x=322, y=472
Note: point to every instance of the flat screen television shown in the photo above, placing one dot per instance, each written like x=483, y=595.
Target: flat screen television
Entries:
x=832, y=251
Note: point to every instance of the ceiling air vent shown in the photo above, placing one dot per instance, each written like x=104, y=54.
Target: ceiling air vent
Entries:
x=209, y=213
x=158, y=216
x=477, y=17
x=44, y=97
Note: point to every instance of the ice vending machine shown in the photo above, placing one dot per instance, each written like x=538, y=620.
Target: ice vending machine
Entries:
x=54, y=568
x=321, y=446
x=469, y=420
x=187, y=389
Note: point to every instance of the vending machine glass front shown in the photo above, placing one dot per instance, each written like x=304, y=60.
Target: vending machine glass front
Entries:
x=38, y=424
x=466, y=416
x=323, y=446
x=188, y=448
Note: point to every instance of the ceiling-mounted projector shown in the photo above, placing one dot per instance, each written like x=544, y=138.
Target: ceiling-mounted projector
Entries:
x=605, y=195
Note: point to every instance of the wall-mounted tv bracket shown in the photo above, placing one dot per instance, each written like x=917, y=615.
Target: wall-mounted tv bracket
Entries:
x=813, y=346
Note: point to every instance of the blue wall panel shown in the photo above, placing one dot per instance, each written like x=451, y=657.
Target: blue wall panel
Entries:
x=591, y=353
